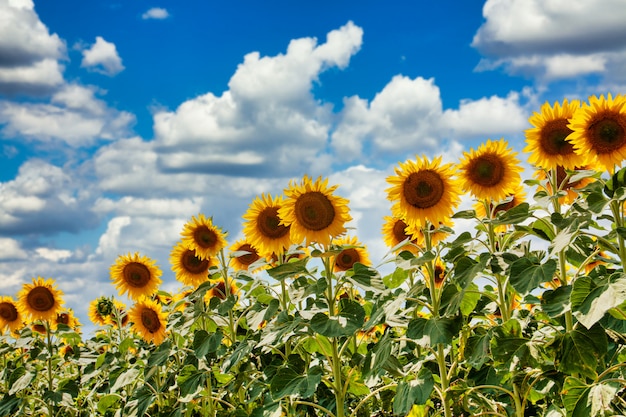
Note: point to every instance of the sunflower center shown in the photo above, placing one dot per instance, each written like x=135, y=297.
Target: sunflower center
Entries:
x=440, y=274
x=63, y=318
x=8, y=312
x=554, y=138
x=39, y=328
x=150, y=320
x=314, y=211
x=486, y=170
x=399, y=230
x=104, y=307
x=423, y=189
x=347, y=258
x=193, y=264
x=608, y=133
x=40, y=299
x=269, y=224
x=205, y=237
x=248, y=258
x=136, y=274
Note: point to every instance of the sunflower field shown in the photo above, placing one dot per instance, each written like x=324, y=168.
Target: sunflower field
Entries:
x=522, y=315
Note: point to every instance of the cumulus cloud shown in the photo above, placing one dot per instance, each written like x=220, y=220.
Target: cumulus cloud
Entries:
x=156, y=13
x=29, y=54
x=251, y=128
x=102, y=57
x=552, y=39
x=43, y=200
x=73, y=116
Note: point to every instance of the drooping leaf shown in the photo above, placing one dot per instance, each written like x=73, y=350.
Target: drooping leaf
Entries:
x=591, y=299
x=366, y=277
x=580, y=350
x=289, y=269
x=435, y=330
x=416, y=391
x=477, y=349
x=288, y=382
x=514, y=216
x=190, y=380
x=350, y=319
x=526, y=275
x=556, y=302
x=575, y=398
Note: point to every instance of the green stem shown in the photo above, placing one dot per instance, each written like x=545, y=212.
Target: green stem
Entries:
x=445, y=382
x=50, y=380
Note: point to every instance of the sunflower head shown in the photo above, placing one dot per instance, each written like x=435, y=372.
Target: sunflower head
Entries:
x=491, y=172
x=149, y=320
x=394, y=232
x=201, y=235
x=352, y=252
x=136, y=275
x=563, y=181
x=219, y=289
x=313, y=212
x=67, y=318
x=40, y=300
x=599, y=130
x=548, y=142
x=423, y=191
x=10, y=315
x=243, y=254
x=100, y=311
x=440, y=273
x=189, y=268
x=436, y=234
x=263, y=228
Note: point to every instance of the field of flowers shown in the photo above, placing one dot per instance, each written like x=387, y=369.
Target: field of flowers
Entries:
x=523, y=316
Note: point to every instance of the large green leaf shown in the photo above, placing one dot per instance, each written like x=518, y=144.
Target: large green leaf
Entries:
x=432, y=331
x=466, y=269
x=289, y=382
x=580, y=350
x=366, y=277
x=526, y=275
x=160, y=355
x=514, y=216
x=396, y=278
x=289, y=269
x=477, y=349
x=591, y=299
x=190, y=381
x=205, y=343
x=350, y=319
x=556, y=302
x=416, y=391
x=575, y=393
x=141, y=400
x=241, y=351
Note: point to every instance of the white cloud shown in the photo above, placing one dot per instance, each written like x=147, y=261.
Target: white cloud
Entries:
x=156, y=13
x=29, y=54
x=251, y=128
x=11, y=250
x=73, y=116
x=102, y=57
x=553, y=39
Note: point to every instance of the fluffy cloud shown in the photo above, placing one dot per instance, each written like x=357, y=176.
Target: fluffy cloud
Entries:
x=29, y=54
x=156, y=13
x=553, y=39
x=250, y=129
x=73, y=116
x=102, y=57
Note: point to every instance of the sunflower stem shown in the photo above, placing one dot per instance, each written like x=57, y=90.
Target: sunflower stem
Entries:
x=50, y=380
x=227, y=290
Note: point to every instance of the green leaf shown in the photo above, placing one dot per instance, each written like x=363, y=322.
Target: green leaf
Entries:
x=22, y=379
x=9, y=405
x=395, y=279
x=466, y=269
x=141, y=400
x=412, y=392
x=125, y=378
x=108, y=402
x=243, y=350
x=556, y=302
x=190, y=380
x=464, y=214
x=514, y=216
x=575, y=393
x=367, y=278
x=581, y=350
x=601, y=396
x=160, y=355
x=477, y=349
x=350, y=319
x=591, y=299
x=564, y=238
x=289, y=269
x=526, y=275
x=435, y=330
x=288, y=382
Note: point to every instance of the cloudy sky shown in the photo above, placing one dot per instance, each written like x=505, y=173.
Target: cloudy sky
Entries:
x=121, y=120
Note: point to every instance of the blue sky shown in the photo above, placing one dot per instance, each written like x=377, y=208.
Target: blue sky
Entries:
x=120, y=121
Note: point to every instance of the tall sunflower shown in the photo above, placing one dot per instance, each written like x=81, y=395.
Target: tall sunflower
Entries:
x=40, y=300
x=262, y=227
x=101, y=310
x=219, y=289
x=67, y=318
x=201, y=235
x=490, y=172
x=599, y=130
x=423, y=191
x=243, y=254
x=136, y=275
x=517, y=197
x=353, y=251
x=564, y=183
x=437, y=233
x=440, y=273
x=189, y=268
x=394, y=232
x=547, y=142
x=10, y=315
x=148, y=320
x=313, y=212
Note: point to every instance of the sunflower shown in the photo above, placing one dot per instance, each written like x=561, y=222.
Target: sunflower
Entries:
x=564, y=182
x=423, y=191
x=313, y=213
x=547, y=142
x=119, y=316
x=189, y=268
x=149, y=320
x=201, y=235
x=100, y=311
x=394, y=232
x=599, y=130
x=352, y=252
x=10, y=315
x=440, y=273
x=219, y=289
x=437, y=234
x=517, y=197
x=67, y=318
x=136, y=275
x=40, y=300
x=490, y=172
x=243, y=254
x=263, y=228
